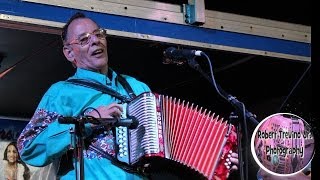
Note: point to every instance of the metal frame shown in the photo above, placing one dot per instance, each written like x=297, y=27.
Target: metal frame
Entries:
x=163, y=22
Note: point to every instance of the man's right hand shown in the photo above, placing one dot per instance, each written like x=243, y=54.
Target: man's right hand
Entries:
x=113, y=110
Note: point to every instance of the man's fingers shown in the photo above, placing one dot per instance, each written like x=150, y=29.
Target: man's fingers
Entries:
x=234, y=160
x=235, y=155
x=115, y=112
x=115, y=105
x=234, y=168
x=110, y=111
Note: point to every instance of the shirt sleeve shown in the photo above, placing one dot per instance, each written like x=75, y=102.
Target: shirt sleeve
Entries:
x=44, y=139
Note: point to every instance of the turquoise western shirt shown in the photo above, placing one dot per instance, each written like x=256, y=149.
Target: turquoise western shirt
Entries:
x=45, y=140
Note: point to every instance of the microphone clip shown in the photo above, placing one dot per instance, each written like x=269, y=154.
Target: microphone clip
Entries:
x=179, y=56
x=178, y=62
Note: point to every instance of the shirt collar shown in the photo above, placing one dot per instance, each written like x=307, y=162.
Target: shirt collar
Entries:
x=94, y=76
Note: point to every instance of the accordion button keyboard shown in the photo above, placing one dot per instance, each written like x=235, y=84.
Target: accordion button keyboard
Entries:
x=121, y=140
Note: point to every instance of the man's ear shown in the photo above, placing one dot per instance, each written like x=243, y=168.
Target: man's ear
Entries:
x=68, y=53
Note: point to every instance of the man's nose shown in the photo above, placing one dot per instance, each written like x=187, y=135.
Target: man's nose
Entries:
x=94, y=39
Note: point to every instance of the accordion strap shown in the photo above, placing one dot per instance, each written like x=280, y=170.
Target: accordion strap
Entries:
x=103, y=88
x=126, y=86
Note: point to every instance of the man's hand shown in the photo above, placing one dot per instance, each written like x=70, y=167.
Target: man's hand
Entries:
x=235, y=162
x=113, y=110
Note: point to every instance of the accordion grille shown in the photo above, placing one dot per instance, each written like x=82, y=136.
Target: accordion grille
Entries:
x=181, y=132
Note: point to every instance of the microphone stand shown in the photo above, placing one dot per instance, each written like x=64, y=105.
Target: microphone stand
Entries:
x=79, y=123
x=235, y=118
x=79, y=143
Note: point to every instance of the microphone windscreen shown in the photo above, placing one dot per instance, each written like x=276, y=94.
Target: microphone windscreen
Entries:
x=67, y=120
x=134, y=124
x=168, y=52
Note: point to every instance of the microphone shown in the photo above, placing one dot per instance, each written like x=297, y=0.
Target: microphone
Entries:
x=68, y=120
x=179, y=56
x=131, y=123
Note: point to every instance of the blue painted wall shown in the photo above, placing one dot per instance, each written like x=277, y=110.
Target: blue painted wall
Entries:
x=163, y=29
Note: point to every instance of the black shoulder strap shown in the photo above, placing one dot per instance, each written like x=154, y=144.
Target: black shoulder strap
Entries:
x=102, y=88
x=126, y=86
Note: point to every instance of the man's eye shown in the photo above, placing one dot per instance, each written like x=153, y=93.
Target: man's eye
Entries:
x=83, y=39
x=99, y=35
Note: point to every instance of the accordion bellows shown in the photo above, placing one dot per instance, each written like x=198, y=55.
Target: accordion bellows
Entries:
x=178, y=131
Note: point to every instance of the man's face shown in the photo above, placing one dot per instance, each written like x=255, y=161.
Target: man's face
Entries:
x=93, y=55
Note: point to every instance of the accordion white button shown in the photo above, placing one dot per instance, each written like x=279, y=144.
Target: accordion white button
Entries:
x=121, y=155
x=125, y=153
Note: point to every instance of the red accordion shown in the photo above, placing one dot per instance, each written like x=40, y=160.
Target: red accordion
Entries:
x=177, y=131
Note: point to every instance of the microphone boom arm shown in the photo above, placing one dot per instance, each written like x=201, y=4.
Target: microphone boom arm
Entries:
x=240, y=109
x=231, y=99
